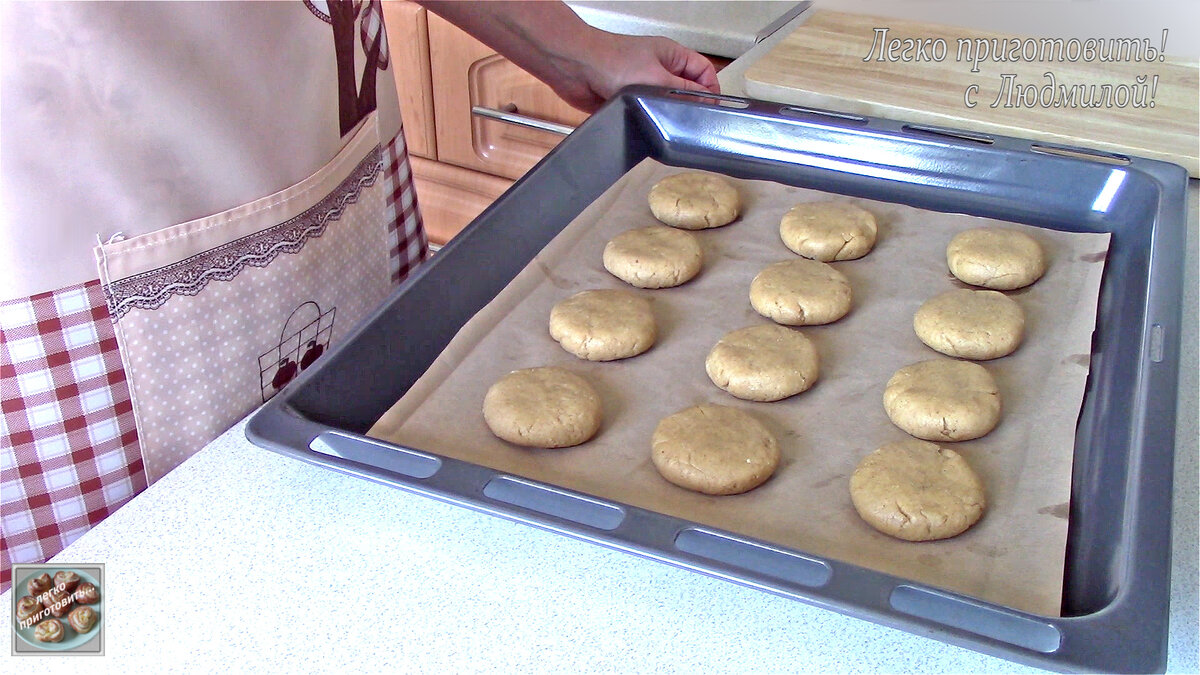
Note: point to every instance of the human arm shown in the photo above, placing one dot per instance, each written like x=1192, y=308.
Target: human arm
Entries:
x=584, y=65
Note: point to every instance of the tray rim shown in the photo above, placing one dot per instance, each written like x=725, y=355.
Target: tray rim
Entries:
x=280, y=427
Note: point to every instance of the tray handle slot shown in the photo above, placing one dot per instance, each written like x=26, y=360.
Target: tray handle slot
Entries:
x=754, y=557
x=1072, y=152
x=943, y=132
x=387, y=457
x=722, y=100
x=976, y=618
x=552, y=502
x=822, y=115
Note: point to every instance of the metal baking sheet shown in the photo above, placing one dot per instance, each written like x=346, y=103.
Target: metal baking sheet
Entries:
x=1014, y=556
x=1116, y=582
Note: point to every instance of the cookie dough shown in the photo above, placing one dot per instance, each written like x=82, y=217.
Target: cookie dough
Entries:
x=695, y=201
x=994, y=257
x=828, y=230
x=801, y=293
x=763, y=363
x=971, y=324
x=604, y=325
x=917, y=491
x=714, y=449
x=943, y=400
x=547, y=407
x=653, y=257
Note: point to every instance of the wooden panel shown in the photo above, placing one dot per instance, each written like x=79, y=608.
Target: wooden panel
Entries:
x=450, y=197
x=465, y=73
x=408, y=40
x=719, y=62
x=821, y=64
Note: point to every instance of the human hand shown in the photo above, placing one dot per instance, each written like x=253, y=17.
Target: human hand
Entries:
x=586, y=66
x=610, y=62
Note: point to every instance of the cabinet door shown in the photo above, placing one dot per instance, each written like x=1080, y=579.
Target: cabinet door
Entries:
x=450, y=196
x=408, y=41
x=467, y=73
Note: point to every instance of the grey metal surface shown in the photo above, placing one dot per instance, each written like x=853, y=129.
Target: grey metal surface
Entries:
x=1118, y=552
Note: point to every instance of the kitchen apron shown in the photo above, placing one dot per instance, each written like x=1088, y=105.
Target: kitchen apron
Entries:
x=200, y=200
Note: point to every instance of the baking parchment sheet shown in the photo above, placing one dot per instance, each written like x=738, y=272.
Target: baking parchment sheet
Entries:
x=1013, y=556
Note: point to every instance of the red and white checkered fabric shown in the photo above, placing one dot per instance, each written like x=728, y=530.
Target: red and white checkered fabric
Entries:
x=69, y=453
x=407, y=241
x=371, y=32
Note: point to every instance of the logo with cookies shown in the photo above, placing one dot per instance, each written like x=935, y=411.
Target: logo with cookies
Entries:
x=58, y=609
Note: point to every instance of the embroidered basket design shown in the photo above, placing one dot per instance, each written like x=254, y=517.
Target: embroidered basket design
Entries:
x=298, y=349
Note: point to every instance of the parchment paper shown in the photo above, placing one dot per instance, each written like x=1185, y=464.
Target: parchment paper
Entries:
x=1013, y=556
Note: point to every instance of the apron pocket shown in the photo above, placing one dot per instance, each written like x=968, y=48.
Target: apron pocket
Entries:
x=214, y=316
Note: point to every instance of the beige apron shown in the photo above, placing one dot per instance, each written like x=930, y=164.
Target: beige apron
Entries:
x=240, y=302
x=200, y=199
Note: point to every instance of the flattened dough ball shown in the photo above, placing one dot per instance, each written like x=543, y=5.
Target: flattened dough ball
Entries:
x=917, y=491
x=547, y=407
x=695, y=201
x=971, y=324
x=767, y=362
x=828, y=230
x=994, y=257
x=801, y=293
x=603, y=325
x=654, y=257
x=714, y=449
x=943, y=400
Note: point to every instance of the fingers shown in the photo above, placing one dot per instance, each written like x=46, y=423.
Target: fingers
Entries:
x=695, y=72
x=700, y=70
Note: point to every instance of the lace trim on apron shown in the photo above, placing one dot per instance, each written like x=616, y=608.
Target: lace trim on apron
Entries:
x=150, y=290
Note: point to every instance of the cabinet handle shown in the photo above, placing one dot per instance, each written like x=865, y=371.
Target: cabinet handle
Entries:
x=521, y=120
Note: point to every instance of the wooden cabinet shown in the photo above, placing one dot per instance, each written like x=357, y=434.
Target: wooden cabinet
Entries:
x=466, y=73
x=462, y=161
x=408, y=42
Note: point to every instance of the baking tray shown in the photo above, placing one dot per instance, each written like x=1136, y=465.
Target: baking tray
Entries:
x=1116, y=583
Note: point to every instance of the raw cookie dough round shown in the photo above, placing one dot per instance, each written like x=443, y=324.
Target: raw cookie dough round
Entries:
x=714, y=449
x=695, y=201
x=767, y=362
x=801, y=293
x=995, y=257
x=603, y=325
x=943, y=400
x=916, y=491
x=971, y=324
x=829, y=230
x=547, y=407
x=653, y=257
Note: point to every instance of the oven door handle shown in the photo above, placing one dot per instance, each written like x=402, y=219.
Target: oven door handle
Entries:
x=521, y=120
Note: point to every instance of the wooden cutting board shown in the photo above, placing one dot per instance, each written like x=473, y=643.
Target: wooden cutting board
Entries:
x=821, y=64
